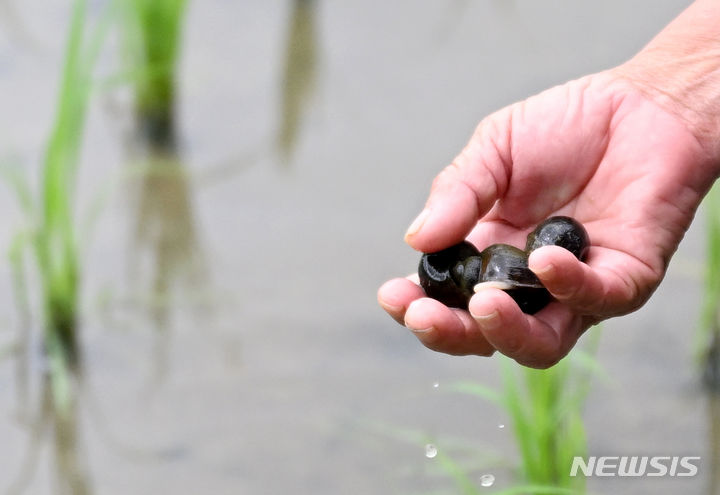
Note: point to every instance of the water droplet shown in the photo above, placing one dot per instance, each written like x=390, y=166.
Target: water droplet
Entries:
x=430, y=451
x=501, y=426
x=487, y=480
x=436, y=384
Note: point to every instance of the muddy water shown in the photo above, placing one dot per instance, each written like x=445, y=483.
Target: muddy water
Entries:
x=231, y=337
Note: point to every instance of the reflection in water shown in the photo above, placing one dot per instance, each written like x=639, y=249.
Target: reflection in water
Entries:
x=299, y=78
x=62, y=422
x=166, y=256
x=22, y=347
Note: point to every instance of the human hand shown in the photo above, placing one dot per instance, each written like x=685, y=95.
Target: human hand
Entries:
x=597, y=149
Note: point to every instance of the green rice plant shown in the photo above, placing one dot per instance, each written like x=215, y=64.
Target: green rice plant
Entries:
x=51, y=234
x=547, y=423
x=153, y=31
x=56, y=244
x=707, y=337
x=545, y=409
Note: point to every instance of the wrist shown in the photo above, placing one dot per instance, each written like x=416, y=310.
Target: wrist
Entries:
x=680, y=70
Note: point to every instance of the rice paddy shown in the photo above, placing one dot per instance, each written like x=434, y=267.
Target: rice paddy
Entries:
x=220, y=336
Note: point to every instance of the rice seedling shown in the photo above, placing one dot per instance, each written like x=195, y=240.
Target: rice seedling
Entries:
x=56, y=244
x=545, y=410
x=153, y=35
x=707, y=339
x=51, y=235
x=547, y=422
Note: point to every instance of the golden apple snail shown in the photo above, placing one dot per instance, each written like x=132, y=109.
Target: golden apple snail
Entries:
x=451, y=275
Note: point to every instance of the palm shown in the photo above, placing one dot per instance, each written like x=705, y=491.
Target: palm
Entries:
x=613, y=161
x=594, y=149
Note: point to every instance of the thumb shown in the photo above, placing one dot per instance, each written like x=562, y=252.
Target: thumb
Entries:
x=617, y=285
x=466, y=189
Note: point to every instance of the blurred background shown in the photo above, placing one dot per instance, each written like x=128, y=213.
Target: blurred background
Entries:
x=200, y=199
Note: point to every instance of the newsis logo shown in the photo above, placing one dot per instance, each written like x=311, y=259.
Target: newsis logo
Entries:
x=635, y=466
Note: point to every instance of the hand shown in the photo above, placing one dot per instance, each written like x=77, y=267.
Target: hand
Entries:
x=596, y=149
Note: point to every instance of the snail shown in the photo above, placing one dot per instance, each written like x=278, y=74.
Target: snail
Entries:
x=560, y=231
x=506, y=267
x=452, y=275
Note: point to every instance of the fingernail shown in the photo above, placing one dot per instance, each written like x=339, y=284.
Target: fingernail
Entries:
x=547, y=271
x=417, y=224
x=391, y=308
x=490, y=322
x=420, y=330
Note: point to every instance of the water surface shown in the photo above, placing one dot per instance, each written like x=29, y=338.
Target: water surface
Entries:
x=232, y=339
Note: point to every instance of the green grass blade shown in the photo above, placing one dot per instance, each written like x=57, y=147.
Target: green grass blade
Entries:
x=56, y=243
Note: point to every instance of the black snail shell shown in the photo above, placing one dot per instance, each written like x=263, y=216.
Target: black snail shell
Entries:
x=506, y=267
x=560, y=231
x=451, y=275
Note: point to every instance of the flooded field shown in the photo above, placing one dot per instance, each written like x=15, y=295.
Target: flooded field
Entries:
x=231, y=339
